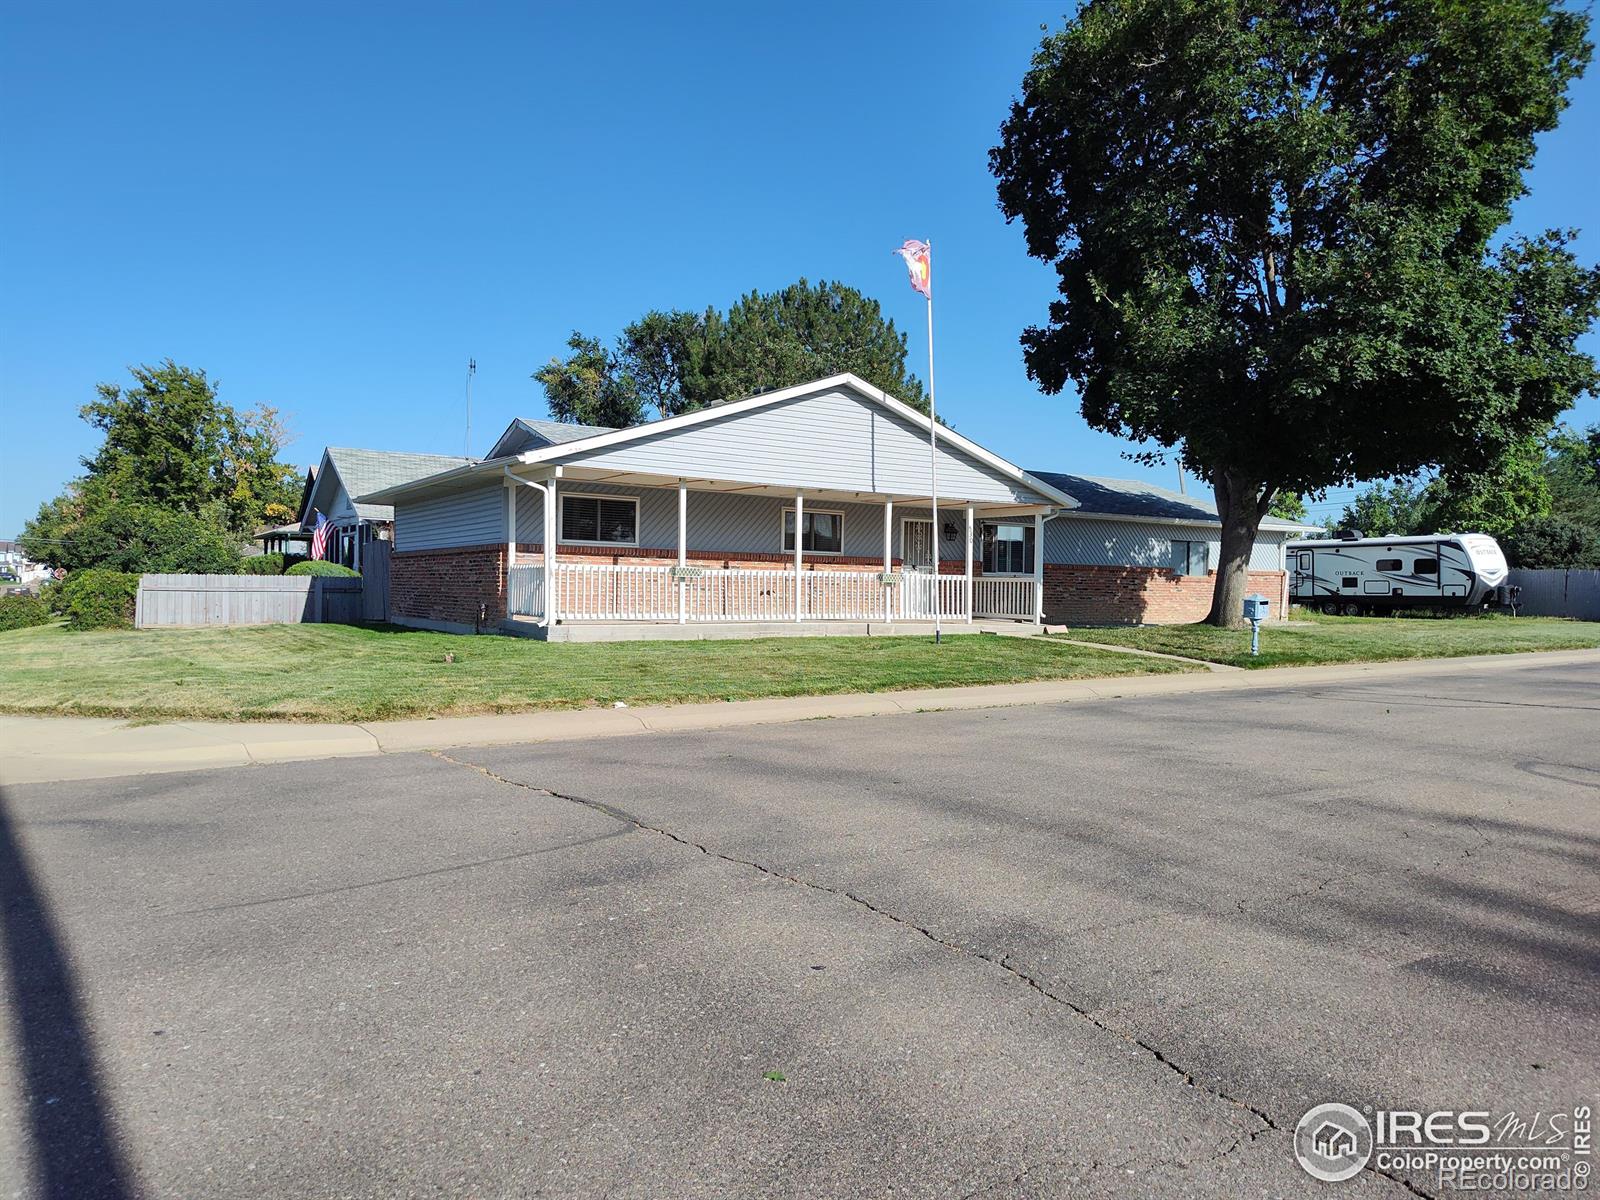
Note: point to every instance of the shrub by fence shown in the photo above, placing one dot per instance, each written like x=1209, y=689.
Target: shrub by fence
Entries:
x=166, y=601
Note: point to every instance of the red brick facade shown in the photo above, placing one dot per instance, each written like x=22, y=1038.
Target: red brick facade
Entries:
x=1077, y=595
x=457, y=585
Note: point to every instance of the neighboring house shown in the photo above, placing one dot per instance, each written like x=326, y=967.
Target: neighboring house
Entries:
x=17, y=567
x=285, y=539
x=346, y=473
x=692, y=521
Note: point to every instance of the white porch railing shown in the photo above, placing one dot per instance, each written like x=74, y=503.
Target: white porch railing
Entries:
x=1002, y=597
x=614, y=592
x=730, y=594
x=919, y=592
x=610, y=592
x=525, y=590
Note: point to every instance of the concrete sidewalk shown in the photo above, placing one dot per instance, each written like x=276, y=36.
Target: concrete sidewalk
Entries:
x=47, y=749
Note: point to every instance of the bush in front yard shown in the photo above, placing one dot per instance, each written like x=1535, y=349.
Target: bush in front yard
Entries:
x=20, y=611
x=99, y=599
x=316, y=566
x=262, y=564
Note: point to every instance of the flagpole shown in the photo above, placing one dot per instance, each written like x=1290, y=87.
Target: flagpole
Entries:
x=933, y=453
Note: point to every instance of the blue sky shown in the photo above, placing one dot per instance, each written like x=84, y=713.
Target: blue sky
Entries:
x=332, y=207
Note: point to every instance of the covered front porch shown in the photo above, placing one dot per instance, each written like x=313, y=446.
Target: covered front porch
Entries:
x=602, y=554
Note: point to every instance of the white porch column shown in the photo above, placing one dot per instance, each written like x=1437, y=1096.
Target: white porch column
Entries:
x=683, y=552
x=799, y=557
x=1038, y=568
x=888, y=558
x=550, y=534
x=511, y=531
x=969, y=564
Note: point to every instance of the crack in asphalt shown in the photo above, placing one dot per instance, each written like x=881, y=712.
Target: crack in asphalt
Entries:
x=1004, y=961
x=371, y=883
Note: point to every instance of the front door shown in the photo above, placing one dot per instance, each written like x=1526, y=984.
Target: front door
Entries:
x=917, y=550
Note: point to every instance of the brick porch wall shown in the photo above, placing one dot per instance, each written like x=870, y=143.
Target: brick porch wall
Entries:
x=462, y=585
x=1080, y=595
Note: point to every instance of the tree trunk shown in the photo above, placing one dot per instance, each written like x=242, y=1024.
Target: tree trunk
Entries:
x=1241, y=503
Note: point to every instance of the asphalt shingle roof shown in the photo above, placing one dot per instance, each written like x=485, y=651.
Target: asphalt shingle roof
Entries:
x=1130, y=498
x=560, y=432
x=366, y=471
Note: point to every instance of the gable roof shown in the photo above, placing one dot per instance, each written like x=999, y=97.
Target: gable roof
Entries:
x=733, y=408
x=543, y=433
x=363, y=471
x=1131, y=499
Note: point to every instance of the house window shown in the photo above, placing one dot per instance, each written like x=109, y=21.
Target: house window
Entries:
x=1191, y=558
x=1390, y=564
x=1426, y=566
x=824, y=531
x=600, y=520
x=1007, y=549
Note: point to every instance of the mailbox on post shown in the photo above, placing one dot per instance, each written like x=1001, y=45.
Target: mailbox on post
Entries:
x=1255, y=611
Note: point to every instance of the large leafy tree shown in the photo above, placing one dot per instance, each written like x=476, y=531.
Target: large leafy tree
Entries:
x=591, y=386
x=171, y=447
x=667, y=363
x=1271, y=224
x=1385, y=509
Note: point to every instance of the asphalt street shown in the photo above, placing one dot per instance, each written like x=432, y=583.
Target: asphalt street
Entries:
x=1113, y=948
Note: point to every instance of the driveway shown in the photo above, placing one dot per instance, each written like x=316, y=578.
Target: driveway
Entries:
x=1114, y=948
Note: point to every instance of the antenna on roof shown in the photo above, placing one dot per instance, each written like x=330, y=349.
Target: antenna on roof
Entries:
x=1182, y=486
x=466, y=444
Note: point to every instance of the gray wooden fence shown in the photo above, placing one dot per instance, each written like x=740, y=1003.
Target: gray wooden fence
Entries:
x=375, y=580
x=172, y=600
x=1558, y=593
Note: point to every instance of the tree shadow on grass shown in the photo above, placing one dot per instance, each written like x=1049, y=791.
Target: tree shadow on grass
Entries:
x=75, y=1152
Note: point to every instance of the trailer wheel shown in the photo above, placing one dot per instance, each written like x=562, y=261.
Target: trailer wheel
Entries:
x=1352, y=610
x=1330, y=608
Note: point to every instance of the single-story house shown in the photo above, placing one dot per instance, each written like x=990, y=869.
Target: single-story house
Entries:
x=346, y=473
x=800, y=508
x=289, y=538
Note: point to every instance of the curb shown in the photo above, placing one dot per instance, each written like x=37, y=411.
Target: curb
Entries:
x=60, y=749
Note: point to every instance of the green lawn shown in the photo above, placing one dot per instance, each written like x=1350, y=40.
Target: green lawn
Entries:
x=1356, y=639
x=341, y=673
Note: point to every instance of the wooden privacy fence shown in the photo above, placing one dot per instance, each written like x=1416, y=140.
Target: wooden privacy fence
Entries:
x=173, y=600
x=1558, y=593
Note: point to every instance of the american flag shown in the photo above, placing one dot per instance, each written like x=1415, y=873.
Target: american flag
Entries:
x=319, y=539
x=919, y=261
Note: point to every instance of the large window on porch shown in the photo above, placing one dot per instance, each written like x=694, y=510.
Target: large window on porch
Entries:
x=1008, y=549
x=824, y=532
x=599, y=520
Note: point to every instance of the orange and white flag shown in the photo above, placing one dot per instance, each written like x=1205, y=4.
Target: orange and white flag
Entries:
x=919, y=261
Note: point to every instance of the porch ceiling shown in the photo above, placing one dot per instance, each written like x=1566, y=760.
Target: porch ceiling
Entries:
x=572, y=473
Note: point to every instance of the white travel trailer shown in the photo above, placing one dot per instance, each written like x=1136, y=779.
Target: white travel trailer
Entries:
x=1359, y=575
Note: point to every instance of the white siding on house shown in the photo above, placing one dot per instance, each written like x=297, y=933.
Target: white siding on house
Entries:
x=330, y=499
x=835, y=441
x=717, y=522
x=468, y=518
x=530, y=514
x=1110, y=543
